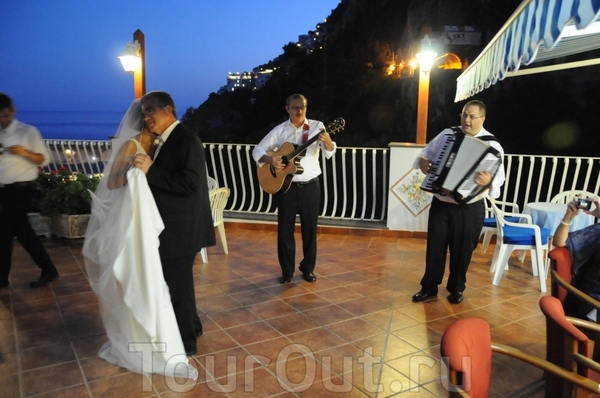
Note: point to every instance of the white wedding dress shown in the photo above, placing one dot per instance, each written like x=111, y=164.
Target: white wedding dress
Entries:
x=124, y=268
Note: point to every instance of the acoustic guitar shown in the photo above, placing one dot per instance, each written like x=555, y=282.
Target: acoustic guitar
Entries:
x=273, y=181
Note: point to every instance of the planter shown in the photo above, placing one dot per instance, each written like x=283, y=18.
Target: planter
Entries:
x=40, y=224
x=70, y=226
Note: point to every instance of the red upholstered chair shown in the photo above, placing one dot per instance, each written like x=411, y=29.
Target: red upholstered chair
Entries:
x=560, y=264
x=563, y=341
x=466, y=350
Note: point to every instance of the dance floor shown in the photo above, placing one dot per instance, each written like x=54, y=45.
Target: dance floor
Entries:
x=352, y=333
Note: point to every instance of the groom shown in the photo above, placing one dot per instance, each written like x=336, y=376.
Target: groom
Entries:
x=177, y=178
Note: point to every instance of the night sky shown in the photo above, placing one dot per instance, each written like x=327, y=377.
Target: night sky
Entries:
x=62, y=55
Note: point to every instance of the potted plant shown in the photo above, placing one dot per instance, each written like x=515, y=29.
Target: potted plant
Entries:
x=64, y=197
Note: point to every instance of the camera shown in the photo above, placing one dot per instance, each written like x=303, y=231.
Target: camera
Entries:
x=584, y=204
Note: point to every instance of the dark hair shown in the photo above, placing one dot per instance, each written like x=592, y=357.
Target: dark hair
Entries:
x=481, y=105
x=161, y=99
x=295, y=96
x=6, y=102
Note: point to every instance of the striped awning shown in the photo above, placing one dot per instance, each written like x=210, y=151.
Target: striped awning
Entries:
x=538, y=30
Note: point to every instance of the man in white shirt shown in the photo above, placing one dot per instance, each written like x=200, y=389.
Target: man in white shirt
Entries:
x=304, y=194
x=23, y=151
x=452, y=226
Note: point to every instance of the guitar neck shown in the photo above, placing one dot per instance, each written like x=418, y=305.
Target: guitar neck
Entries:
x=303, y=147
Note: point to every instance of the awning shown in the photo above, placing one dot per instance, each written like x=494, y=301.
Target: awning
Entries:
x=538, y=30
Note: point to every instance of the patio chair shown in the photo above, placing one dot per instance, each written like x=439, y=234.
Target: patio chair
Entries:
x=489, y=228
x=568, y=196
x=212, y=184
x=218, y=200
x=518, y=236
x=562, y=285
x=564, y=339
x=562, y=278
x=466, y=350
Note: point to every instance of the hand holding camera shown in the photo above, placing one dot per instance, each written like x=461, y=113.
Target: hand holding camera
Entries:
x=583, y=204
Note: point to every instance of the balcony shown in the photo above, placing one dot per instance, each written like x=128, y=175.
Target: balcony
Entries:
x=354, y=332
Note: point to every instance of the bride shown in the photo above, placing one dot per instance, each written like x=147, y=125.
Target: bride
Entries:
x=123, y=263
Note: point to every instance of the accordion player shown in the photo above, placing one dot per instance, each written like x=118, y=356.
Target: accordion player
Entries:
x=458, y=160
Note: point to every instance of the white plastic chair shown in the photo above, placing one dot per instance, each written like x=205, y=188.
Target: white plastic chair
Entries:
x=519, y=236
x=212, y=184
x=568, y=196
x=489, y=228
x=218, y=200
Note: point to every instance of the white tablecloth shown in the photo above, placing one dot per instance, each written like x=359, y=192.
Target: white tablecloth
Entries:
x=549, y=215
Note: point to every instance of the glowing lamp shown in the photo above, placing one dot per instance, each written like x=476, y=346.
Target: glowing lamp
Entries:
x=131, y=58
x=426, y=56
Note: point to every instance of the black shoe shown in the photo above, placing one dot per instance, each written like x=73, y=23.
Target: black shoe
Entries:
x=422, y=295
x=456, y=297
x=191, y=353
x=309, y=277
x=44, y=279
x=285, y=279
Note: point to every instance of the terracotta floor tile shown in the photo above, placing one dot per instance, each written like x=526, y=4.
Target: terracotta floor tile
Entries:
x=215, y=341
x=316, y=340
x=307, y=302
x=52, y=378
x=339, y=295
x=271, y=309
x=45, y=356
x=253, y=333
x=293, y=323
x=329, y=314
x=95, y=368
x=223, y=363
x=123, y=385
x=356, y=328
x=234, y=317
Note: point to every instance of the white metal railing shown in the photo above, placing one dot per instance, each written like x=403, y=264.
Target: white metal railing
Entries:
x=538, y=178
x=355, y=180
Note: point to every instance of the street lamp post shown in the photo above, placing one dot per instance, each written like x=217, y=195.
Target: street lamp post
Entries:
x=134, y=61
x=426, y=57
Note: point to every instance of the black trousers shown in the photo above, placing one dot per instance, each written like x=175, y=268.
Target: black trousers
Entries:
x=14, y=204
x=302, y=199
x=179, y=276
x=456, y=228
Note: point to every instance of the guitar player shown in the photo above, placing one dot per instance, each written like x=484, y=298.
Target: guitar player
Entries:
x=304, y=194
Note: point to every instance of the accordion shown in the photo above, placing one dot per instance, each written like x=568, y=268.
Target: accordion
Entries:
x=458, y=159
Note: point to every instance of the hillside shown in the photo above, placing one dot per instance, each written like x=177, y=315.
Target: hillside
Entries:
x=346, y=75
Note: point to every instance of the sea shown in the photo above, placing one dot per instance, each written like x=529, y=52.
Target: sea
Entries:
x=70, y=125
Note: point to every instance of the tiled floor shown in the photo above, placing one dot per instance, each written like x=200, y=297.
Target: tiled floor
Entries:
x=353, y=333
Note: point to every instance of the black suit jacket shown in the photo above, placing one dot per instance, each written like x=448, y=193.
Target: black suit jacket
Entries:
x=178, y=182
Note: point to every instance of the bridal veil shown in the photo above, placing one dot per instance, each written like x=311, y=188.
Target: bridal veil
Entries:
x=124, y=269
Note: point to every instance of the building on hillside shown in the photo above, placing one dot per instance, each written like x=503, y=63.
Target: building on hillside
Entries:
x=254, y=80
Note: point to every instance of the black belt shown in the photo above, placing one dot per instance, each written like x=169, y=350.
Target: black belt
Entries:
x=17, y=184
x=305, y=182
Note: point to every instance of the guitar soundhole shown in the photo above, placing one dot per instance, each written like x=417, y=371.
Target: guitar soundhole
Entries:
x=285, y=160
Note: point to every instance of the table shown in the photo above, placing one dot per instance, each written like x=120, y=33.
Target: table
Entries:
x=549, y=215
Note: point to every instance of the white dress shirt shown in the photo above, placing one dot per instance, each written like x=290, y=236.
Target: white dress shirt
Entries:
x=15, y=168
x=287, y=132
x=432, y=148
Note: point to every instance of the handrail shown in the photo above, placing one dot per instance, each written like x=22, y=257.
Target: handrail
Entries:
x=355, y=180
